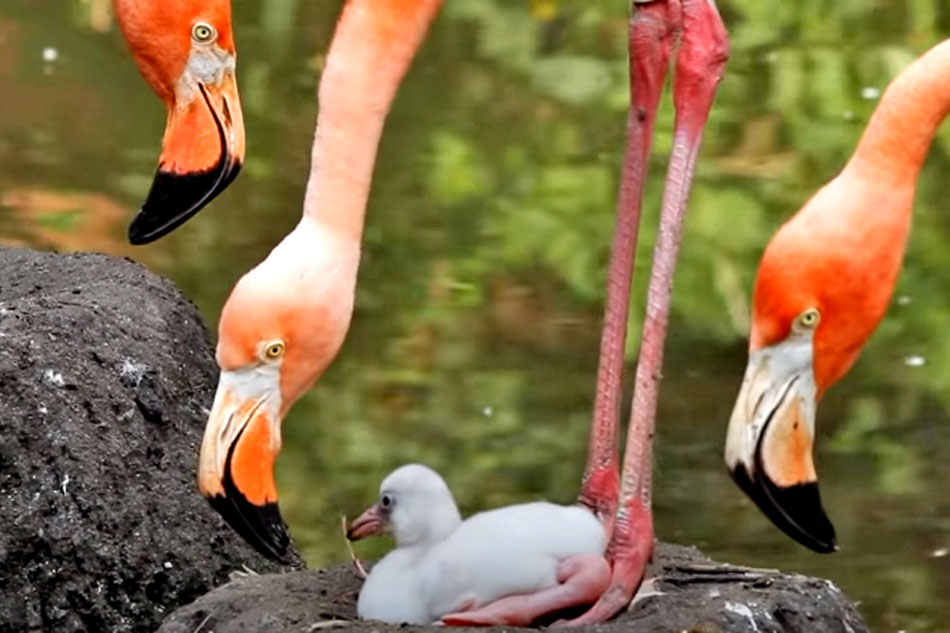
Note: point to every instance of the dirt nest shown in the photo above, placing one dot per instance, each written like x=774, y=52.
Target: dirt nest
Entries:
x=105, y=376
x=686, y=591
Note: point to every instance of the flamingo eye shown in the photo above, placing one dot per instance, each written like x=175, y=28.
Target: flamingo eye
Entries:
x=274, y=350
x=203, y=32
x=808, y=319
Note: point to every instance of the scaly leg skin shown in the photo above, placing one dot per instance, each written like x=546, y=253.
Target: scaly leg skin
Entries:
x=651, y=39
x=700, y=63
x=581, y=580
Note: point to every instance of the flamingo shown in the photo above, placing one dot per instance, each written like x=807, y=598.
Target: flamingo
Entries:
x=286, y=319
x=823, y=285
x=185, y=50
x=495, y=567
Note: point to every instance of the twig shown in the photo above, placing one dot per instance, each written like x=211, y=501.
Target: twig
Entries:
x=716, y=568
x=360, y=570
x=203, y=622
x=328, y=624
x=237, y=573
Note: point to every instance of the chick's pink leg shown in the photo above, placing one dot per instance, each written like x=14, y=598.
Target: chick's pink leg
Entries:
x=581, y=580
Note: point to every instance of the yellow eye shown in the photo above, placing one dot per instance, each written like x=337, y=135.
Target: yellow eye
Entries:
x=274, y=350
x=203, y=32
x=809, y=318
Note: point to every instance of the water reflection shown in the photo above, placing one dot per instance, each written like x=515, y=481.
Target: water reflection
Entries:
x=473, y=347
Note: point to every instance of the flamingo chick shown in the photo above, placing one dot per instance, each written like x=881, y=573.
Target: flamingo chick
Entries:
x=823, y=285
x=185, y=51
x=505, y=566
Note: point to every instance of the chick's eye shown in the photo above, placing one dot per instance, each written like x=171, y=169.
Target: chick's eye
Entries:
x=274, y=350
x=386, y=501
x=809, y=318
x=203, y=32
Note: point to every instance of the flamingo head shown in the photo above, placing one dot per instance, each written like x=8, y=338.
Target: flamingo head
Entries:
x=415, y=507
x=282, y=325
x=185, y=50
x=823, y=285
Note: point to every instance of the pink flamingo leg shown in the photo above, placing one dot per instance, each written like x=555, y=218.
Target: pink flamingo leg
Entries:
x=700, y=64
x=581, y=580
x=651, y=38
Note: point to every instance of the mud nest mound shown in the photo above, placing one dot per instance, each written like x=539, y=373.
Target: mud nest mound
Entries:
x=685, y=592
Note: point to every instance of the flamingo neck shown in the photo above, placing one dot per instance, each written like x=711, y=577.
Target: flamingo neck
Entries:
x=374, y=44
x=157, y=52
x=900, y=132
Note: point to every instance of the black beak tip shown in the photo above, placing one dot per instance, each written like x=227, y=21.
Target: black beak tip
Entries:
x=796, y=510
x=174, y=198
x=261, y=526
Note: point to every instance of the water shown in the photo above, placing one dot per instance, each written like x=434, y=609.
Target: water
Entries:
x=474, y=343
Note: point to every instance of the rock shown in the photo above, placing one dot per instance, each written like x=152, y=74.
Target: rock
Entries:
x=686, y=591
x=105, y=374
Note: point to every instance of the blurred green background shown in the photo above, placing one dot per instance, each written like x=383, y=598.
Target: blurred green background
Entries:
x=474, y=342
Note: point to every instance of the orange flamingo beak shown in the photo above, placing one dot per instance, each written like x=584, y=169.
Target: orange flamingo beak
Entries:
x=769, y=446
x=202, y=152
x=240, y=446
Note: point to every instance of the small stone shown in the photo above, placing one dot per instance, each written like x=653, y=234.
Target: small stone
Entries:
x=53, y=378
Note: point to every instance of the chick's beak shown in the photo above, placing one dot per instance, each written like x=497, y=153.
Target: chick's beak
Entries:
x=202, y=153
x=769, y=446
x=236, y=467
x=367, y=524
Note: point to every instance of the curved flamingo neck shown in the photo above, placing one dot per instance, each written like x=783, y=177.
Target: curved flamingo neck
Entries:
x=900, y=132
x=159, y=54
x=374, y=44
